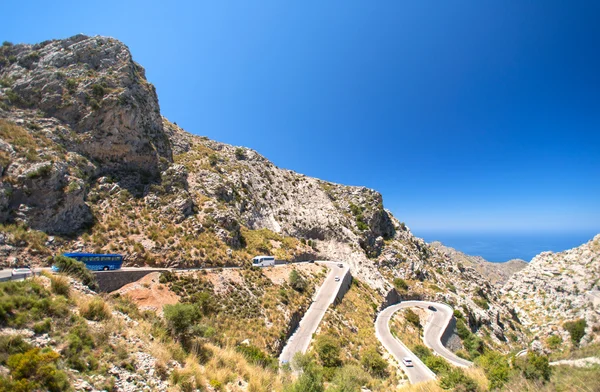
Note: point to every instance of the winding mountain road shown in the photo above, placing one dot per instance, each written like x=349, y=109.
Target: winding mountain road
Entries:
x=324, y=297
x=434, y=329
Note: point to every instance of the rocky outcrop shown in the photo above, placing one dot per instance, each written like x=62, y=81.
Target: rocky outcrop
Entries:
x=558, y=287
x=108, y=110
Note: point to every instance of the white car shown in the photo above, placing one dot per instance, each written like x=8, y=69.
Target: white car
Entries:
x=337, y=278
x=407, y=362
x=21, y=271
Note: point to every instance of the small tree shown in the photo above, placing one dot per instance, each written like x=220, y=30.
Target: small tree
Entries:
x=576, y=329
x=374, y=363
x=329, y=350
x=534, y=367
x=400, y=284
x=496, y=368
x=180, y=319
x=413, y=318
x=297, y=281
x=240, y=153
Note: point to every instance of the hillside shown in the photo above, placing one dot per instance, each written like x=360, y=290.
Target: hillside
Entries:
x=556, y=288
x=496, y=273
x=87, y=163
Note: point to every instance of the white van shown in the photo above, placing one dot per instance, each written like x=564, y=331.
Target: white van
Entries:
x=263, y=261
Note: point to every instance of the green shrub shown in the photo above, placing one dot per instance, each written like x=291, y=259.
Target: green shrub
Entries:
x=456, y=380
x=413, y=318
x=95, y=310
x=36, y=370
x=462, y=330
x=256, y=355
x=554, y=341
x=43, y=327
x=77, y=270
x=40, y=172
x=400, y=284
x=311, y=378
x=12, y=344
x=180, y=319
x=98, y=90
x=481, y=302
x=297, y=282
x=349, y=378
x=437, y=364
x=422, y=352
x=72, y=85
x=240, y=153
x=576, y=329
x=26, y=301
x=78, y=352
x=329, y=350
x=496, y=368
x=534, y=367
x=374, y=363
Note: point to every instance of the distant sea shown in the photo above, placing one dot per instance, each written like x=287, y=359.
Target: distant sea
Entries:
x=504, y=247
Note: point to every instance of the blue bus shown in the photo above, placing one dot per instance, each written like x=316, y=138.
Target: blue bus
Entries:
x=98, y=262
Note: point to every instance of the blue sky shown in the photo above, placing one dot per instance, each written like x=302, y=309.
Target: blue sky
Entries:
x=466, y=116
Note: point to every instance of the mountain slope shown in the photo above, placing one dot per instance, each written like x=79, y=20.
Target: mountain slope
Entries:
x=556, y=288
x=88, y=164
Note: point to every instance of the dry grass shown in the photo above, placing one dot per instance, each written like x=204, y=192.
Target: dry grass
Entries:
x=94, y=309
x=429, y=386
x=478, y=375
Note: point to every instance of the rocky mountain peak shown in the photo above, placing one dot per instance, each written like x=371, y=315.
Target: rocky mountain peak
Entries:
x=105, y=108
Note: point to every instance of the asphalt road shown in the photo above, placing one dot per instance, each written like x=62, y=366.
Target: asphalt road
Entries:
x=418, y=372
x=436, y=324
x=324, y=297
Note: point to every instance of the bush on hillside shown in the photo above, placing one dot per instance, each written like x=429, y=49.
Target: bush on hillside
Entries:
x=413, y=318
x=60, y=285
x=35, y=370
x=95, y=310
x=77, y=270
x=329, y=350
x=181, y=318
x=255, y=355
x=554, y=341
x=400, y=284
x=297, y=282
x=349, y=378
x=374, y=363
x=311, y=377
x=496, y=368
x=456, y=380
x=576, y=329
x=534, y=367
x=437, y=364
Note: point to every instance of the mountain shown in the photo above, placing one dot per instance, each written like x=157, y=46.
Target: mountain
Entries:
x=496, y=273
x=88, y=163
x=556, y=288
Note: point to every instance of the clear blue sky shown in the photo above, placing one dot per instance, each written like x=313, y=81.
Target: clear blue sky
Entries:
x=467, y=116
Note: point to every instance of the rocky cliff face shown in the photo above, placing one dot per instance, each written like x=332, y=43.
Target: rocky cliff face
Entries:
x=87, y=109
x=85, y=154
x=558, y=287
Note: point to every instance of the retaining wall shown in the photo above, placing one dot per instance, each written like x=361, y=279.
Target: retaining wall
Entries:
x=113, y=280
x=344, y=287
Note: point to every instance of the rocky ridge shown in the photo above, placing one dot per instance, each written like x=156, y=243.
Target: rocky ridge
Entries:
x=558, y=287
x=497, y=273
